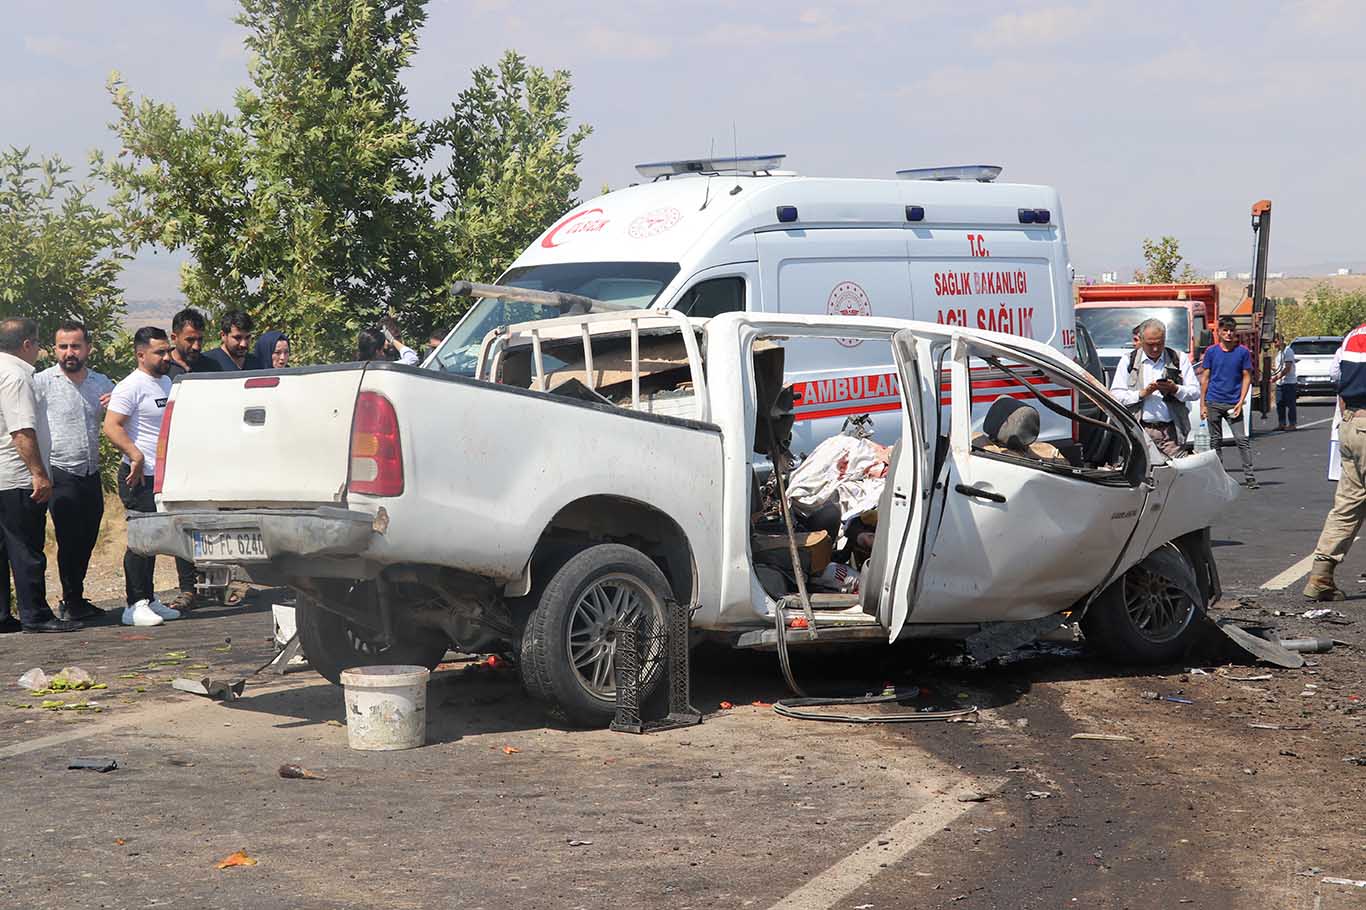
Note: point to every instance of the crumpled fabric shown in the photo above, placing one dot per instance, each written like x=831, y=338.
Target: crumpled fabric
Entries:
x=846, y=469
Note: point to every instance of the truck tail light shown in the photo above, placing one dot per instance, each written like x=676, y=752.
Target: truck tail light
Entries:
x=159, y=477
x=376, y=454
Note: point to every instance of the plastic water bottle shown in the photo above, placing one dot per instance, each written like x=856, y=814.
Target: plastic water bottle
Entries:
x=1201, y=436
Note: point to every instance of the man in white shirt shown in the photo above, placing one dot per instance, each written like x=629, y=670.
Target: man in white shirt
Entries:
x=73, y=398
x=1145, y=381
x=1283, y=377
x=25, y=486
x=133, y=425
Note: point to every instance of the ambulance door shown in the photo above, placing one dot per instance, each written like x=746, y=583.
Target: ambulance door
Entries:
x=892, y=574
x=838, y=272
x=1023, y=535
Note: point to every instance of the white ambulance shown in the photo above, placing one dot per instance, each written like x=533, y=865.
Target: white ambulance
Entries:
x=946, y=245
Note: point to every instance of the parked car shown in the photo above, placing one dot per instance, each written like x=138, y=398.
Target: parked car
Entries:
x=596, y=469
x=1314, y=363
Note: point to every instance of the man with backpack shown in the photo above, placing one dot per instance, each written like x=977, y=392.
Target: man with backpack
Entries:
x=1155, y=382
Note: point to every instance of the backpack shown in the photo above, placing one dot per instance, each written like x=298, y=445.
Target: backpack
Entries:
x=1177, y=408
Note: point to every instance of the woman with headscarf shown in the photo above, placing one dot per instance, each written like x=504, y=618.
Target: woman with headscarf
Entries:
x=272, y=350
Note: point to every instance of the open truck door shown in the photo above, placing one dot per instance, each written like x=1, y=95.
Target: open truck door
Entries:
x=899, y=548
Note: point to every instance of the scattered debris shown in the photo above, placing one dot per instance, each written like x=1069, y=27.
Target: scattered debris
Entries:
x=972, y=796
x=101, y=765
x=1351, y=882
x=334, y=723
x=119, y=842
x=1356, y=760
x=239, y=858
x=726, y=706
x=510, y=750
x=297, y=772
x=33, y=679
x=1260, y=677
x=1335, y=617
x=220, y=689
x=580, y=843
x=1177, y=699
x=1261, y=648
x=1038, y=794
x=1104, y=737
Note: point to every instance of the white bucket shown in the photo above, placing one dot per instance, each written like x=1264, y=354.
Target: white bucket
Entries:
x=386, y=707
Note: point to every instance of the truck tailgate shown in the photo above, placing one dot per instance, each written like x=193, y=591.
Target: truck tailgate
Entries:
x=252, y=439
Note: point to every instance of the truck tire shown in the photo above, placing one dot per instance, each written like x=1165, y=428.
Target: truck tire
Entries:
x=568, y=647
x=332, y=644
x=1143, y=618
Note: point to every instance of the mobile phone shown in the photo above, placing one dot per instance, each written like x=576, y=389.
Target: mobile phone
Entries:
x=1173, y=376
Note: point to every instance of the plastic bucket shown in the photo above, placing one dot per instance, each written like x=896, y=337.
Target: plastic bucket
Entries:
x=386, y=707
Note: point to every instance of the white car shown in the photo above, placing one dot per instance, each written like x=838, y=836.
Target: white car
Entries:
x=604, y=465
x=1314, y=356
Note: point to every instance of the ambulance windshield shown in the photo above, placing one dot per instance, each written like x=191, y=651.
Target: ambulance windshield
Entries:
x=634, y=284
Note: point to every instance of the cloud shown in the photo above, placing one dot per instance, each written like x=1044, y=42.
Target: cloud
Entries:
x=1046, y=26
x=613, y=43
x=812, y=25
x=57, y=48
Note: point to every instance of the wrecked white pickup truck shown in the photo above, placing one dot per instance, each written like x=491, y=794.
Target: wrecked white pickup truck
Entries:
x=605, y=465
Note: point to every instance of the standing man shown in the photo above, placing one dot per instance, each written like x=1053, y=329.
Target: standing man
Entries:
x=25, y=486
x=1223, y=389
x=187, y=337
x=1344, y=520
x=133, y=425
x=235, y=352
x=1283, y=378
x=73, y=398
x=1155, y=382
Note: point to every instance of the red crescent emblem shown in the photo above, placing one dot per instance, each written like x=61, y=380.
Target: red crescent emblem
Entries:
x=576, y=226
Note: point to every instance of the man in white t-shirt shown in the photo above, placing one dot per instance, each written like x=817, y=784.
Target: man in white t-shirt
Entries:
x=133, y=424
x=1283, y=376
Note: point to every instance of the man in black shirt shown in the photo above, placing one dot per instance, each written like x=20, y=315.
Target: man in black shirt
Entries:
x=187, y=340
x=235, y=353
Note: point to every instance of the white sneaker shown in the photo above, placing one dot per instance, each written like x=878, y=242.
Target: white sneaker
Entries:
x=162, y=610
x=141, y=614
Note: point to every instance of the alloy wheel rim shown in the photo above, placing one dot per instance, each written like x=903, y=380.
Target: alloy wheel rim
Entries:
x=1158, y=609
x=591, y=643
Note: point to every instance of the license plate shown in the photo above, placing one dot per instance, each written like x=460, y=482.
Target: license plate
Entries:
x=235, y=545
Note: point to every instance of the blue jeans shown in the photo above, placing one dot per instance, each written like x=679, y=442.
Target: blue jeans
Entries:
x=1286, y=393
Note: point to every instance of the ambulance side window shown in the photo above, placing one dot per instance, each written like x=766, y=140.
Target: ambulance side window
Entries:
x=714, y=297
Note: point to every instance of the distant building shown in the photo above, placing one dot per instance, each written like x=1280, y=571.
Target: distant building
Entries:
x=1275, y=274
x=1109, y=277
x=1220, y=274
x=1344, y=271
x=1244, y=276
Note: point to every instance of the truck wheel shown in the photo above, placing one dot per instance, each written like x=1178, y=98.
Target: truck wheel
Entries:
x=568, y=646
x=1143, y=618
x=332, y=644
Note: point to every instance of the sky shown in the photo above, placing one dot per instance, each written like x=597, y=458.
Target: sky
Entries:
x=1150, y=118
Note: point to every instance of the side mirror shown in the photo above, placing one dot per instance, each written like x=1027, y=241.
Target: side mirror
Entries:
x=1206, y=338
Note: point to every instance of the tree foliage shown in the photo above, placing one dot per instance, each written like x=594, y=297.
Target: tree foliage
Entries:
x=1162, y=259
x=320, y=204
x=1324, y=310
x=60, y=253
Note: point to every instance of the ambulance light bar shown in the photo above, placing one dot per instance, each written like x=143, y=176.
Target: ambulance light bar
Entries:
x=734, y=164
x=982, y=173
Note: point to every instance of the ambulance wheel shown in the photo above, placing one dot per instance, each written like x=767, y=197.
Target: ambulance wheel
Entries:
x=569, y=644
x=332, y=644
x=1143, y=618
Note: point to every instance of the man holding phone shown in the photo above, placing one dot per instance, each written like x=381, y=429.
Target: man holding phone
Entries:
x=1155, y=382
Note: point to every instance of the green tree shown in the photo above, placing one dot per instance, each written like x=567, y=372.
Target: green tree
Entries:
x=1325, y=310
x=60, y=253
x=513, y=169
x=316, y=205
x=1162, y=258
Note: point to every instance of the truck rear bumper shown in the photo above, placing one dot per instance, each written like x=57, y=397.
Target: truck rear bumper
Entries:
x=325, y=531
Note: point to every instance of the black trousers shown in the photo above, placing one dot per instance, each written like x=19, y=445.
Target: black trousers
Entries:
x=77, y=508
x=23, y=524
x=139, y=570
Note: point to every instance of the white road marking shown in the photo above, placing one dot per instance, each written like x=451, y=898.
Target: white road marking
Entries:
x=1316, y=423
x=1290, y=575
x=845, y=877
x=1293, y=574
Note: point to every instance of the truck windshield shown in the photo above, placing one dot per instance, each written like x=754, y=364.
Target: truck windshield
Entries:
x=1113, y=327
x=635, y=284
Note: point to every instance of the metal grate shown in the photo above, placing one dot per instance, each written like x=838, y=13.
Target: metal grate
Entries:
x=631, y=672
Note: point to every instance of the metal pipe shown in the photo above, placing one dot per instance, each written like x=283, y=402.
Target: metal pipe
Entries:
x=635, y=362
x=588, y=356
x=540, y=361
x=557, y=299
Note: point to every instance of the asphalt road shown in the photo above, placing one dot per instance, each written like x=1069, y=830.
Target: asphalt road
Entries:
x=1236, y=795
